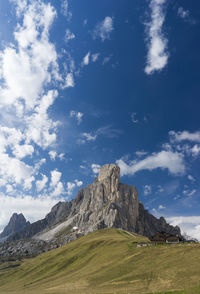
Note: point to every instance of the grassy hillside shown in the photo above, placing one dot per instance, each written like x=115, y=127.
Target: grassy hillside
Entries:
x=106, y=261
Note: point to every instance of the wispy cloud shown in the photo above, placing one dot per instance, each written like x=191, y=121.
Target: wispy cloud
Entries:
x=104, y=29
x=69, y=35
x=133, y=118
x=77, y=115
x=183, y=13
x=107, y=131
x=157, y=56
x=186, y=15
x=65, y=9
x=172, y=161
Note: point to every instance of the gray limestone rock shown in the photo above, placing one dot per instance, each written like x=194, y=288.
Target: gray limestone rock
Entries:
x=16, y=224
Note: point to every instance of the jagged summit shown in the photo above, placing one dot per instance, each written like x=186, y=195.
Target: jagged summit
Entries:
x=17, y=223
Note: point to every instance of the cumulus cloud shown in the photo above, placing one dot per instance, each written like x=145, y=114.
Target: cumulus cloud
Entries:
x=161, y=207
x=32, y=208
x=56, y=186
x=41, y=184
x=188, y=224
x=23, y=97
x=173, y=161
x=72, y=185
x=52, y=154
x=55, y=177
x=104, y=29
x=157, y=56
x=95, y=168
x=77, y=115
x=147, y=190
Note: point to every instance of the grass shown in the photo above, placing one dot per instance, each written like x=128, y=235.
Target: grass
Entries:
x=106, y=261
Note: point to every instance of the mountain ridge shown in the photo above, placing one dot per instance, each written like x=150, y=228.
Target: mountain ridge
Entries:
x=106, y=203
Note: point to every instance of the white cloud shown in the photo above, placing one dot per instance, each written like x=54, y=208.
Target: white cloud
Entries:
x=69, y=81
x=165, y=160
x=72, y=185
x=69, y=35
x=78, y=115
x=32, y=208
x=13, y=170
x=106, y=131
x=195, y=150
x=32, y=58
x=41, y=184
x=61, y=156
x=140, y=153
x=133, y=118
x=55, y=177
x=89, y=137
x=78, y=183
x=58, y=190
x=188, y=224
x=65, y=9
x=21, y=151
x=27, y=66
x=183, y=13
x=161, y=207
x=191, y=178
x=160, y=189
x=106, y=59
x=52, y=154
x=95, y=168
x=104, y=29
x=157, y=56
x=184, y=136
x=39, y=126
x=189, y=193
x=86, y=59
x=95, y=57
x=147, y=190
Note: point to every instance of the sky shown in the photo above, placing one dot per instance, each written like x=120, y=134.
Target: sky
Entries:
x=85, y=83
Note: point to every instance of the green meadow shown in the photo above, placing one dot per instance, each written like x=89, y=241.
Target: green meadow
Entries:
x=106, y=261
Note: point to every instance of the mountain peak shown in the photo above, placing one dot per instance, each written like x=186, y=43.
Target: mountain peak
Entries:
x=109, y=171
x=16, y=223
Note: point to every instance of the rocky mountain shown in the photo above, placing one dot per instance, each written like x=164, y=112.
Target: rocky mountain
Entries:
x=106, y=203
x=16, y=224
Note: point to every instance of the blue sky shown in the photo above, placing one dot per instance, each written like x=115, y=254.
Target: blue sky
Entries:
x=84, y=83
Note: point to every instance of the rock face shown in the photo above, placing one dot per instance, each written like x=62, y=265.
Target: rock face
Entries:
x=105, y=203
x=17, y=223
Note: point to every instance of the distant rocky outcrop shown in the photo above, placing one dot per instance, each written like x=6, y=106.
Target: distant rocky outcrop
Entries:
x=106, y=203
x=16, y=224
